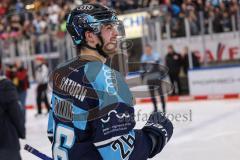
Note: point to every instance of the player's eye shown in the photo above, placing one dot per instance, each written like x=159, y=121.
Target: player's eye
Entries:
x=109, y=27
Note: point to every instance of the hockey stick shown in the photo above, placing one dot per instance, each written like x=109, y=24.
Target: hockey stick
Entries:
x=36, y=152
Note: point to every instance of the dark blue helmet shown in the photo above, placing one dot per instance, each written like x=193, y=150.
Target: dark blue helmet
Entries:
x=88, y=17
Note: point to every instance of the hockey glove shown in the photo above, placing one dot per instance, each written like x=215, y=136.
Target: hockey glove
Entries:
x=160, y=130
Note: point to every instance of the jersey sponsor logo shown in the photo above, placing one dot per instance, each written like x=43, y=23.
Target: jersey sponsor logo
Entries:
x=111, y=81
x=73, y=88
x=118, y=115
x=85, y=7
x=115, y=122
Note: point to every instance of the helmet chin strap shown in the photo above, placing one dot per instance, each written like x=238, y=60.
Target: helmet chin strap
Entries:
x=99, y=47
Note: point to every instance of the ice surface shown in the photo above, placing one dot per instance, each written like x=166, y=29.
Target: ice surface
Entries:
x=204, y=130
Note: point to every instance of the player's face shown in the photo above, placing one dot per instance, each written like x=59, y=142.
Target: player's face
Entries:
x=148, y=50
x=109, y=34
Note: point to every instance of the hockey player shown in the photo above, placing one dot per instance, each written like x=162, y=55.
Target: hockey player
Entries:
x=92, y=114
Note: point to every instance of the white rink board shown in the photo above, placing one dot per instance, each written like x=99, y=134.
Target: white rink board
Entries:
x=215, y=81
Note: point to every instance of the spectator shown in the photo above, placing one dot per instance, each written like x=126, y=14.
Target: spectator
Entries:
x=23, y=84
x=42, y=80
x=226, y=22
x=3, y=9
x=222, y=7
x=193, y=23
x=199, y=5
x=184, y=10
x=173, y=62
x=62, y=19
x=53, y=11
x=233, y=11
x=234, y=7
x=208, y=14
x=64, y=12
x=106, y=3
x=15, y=25
x=28, y=29
x=181, y=26
x=144, y=3
x=19, y=6
x=153, y=3
x=215, y=3
x=185, y=61
x=190, y=6
x=150, y=65
x=217, y=26
x=177, y=27
x=37, y=24
x=2, y=28
x=11, y=121
x=177, y=2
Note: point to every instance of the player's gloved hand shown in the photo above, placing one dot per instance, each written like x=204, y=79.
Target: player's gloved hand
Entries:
x=160, y=130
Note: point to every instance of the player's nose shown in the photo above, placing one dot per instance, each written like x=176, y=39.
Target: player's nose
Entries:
x=115, y=32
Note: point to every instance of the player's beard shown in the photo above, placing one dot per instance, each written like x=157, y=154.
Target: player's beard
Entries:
x=111, y=48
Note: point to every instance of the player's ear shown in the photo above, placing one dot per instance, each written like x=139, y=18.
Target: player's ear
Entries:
x=90, y=37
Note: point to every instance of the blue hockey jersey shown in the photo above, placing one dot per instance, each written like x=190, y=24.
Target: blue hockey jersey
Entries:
x=92, y=114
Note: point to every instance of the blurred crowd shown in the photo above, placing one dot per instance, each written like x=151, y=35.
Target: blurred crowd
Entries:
x=20, y=19
x=216, y=16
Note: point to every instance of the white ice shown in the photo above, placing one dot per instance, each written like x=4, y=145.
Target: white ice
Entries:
x=204, y=130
